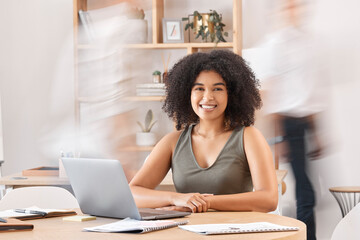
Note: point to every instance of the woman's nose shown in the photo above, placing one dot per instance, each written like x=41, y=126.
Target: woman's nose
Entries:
x=208, y=95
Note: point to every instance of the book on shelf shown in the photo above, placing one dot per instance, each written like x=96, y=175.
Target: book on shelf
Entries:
x=35, y=212
x=129, y=225
x=151, y=85
x=10, y=224
x=228, y=228
x=150, y=89
x=149, y=93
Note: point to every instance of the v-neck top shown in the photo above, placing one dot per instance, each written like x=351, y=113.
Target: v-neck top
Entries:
x=229, y=173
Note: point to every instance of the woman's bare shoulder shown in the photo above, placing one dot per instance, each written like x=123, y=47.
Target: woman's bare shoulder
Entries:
x=174, y=134
x=252, y=132
x=171, y=138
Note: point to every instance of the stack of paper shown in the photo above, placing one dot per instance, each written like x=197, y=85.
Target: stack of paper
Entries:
x=150, y=89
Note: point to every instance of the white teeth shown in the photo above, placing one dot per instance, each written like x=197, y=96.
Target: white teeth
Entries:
x=207, y=106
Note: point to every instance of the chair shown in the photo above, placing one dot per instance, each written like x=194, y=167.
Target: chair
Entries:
x=347, y=197
x=43, y=197
x=348, y=227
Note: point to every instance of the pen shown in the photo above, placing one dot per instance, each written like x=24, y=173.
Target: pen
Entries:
x=3, y=220
x=27, y=211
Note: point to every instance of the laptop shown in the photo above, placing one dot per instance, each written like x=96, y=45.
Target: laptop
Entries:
x=101, y=189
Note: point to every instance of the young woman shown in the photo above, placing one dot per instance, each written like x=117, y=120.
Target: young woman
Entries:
x=218, y=159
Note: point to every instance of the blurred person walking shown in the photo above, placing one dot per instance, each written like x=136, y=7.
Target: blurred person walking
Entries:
x=291, y=94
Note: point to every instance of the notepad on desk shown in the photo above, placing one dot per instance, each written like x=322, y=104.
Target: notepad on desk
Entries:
x=129, y=225
x=35, y=212
x=229, y=228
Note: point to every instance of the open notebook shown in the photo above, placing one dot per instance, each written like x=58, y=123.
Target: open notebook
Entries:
x=135, y=226
x=35, y=212
x=227, y=228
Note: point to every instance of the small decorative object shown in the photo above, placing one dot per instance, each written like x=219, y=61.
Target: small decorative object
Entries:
x=138, y=30
x=207, y=25
x=156, y=76
x=145, y=137
x=136, y=13
x=172, y=31
x=166, y=65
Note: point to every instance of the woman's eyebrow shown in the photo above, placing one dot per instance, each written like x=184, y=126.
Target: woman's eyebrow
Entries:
x=215, y=84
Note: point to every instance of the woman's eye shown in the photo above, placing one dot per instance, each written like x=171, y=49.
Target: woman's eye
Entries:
x=199, y=89
x=218, y=89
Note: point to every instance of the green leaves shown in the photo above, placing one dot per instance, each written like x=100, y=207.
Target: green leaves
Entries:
x=149, y=122
x=156, y=72
x=191, y=25
x=216, y=35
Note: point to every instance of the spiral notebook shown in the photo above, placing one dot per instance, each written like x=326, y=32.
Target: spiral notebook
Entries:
x=209, y=229
x=129, y=225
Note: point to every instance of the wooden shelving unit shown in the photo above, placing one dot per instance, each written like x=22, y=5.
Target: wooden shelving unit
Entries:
x=191, y=47
x=157, y=43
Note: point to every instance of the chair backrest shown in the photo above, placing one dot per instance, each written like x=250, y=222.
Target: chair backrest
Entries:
x=348, y=227
x=43, y=197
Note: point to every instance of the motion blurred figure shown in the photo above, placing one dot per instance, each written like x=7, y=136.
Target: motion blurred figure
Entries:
x=291, y=94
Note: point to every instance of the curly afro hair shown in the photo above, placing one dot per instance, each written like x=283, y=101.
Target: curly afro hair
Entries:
x=242, y=88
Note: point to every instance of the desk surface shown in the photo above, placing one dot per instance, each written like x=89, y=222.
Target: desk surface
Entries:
x=350, y=189
x=55, y=180
x=56, y=228
x=14, y=180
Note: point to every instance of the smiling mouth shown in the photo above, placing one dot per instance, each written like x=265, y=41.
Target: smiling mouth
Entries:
x=208, y=106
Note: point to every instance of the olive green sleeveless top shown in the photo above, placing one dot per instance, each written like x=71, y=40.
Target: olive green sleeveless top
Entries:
x=229, y=174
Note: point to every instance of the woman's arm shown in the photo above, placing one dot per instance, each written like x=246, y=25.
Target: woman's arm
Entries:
x=153, y=172
x=264, y=198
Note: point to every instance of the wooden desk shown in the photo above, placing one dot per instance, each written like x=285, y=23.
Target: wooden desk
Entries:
x=14, y=181
x=17, y=181
x=57, y=229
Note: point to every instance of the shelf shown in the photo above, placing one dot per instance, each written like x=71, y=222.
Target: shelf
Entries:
x=167, y=45
x=179, y=45
x=145, y=98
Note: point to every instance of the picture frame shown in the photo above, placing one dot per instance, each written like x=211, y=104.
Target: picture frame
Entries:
x=173, y=31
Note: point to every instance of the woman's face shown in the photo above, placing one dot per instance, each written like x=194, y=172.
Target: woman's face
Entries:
x=209, y=96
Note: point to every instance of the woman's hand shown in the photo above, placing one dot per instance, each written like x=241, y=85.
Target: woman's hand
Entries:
x=175, y=208
x=196, y=202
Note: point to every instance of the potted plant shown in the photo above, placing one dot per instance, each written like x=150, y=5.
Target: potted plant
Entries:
x=145, y=137
x=207, y=25
x=156, y=76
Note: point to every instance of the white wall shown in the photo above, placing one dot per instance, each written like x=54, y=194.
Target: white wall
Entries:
x=33, y=43
x=1, y=136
